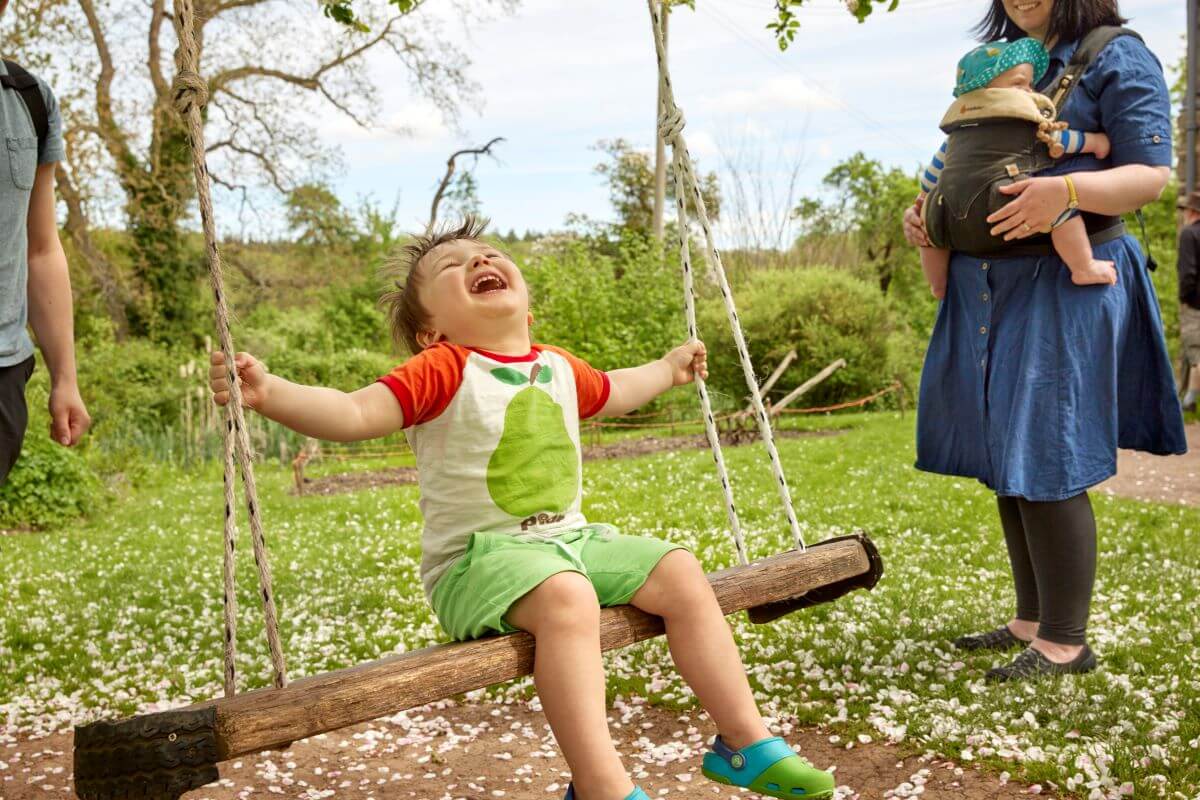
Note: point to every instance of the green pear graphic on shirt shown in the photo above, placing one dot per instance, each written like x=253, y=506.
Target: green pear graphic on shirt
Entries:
x=535, y=467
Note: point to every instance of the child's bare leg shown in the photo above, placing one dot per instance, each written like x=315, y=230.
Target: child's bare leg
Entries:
x=1072, y=245
x=935, y=263
x=563, y=615
x=702, y=646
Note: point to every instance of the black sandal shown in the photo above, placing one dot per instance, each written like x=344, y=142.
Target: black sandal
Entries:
x=1030, y=663
x=1000, y=639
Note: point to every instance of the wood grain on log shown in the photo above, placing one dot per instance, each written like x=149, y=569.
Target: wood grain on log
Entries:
x=272, y=718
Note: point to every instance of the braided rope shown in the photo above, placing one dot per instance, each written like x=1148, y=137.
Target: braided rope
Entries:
x=190, y=96
x=229, y=586
x=671, y=129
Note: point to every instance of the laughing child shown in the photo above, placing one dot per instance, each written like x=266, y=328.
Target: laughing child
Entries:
x=493, y=419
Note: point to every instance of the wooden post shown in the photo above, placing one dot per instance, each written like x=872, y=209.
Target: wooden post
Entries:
x=807, y=386
x=770, y=382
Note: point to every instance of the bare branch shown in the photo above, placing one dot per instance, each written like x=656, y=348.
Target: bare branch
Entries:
x=221, y=80
x=485, y=150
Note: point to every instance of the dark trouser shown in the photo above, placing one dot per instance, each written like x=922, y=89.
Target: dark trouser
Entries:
x=1052, y=549
x=14, y=414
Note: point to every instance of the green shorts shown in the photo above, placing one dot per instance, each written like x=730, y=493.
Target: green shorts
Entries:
x=498, y=569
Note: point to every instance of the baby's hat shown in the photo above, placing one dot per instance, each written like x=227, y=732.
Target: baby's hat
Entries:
x=982, y=65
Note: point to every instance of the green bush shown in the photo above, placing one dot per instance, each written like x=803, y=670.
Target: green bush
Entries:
x=134, y=384
x=346, y=370
x=614, y=310
x=50, y=484
x=825, y=314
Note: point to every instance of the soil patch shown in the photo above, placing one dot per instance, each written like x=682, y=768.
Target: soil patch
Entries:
x=625, y=448
x=486, y=751
x=1174, y=480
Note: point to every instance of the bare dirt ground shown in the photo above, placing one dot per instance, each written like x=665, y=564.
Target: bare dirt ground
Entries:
x=1172, y=479
x=485, y=751
x=626, y=448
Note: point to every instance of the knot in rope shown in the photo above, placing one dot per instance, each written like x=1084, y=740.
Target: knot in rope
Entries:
x=671, y=123
x=189, y=90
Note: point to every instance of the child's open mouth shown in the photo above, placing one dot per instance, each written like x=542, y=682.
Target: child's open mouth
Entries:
x=1023, y=7
x=488, y=282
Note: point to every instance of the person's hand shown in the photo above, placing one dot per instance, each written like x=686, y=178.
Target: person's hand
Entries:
x=687, y=361
x=69, y=418
x=914, y=226
x=1040, y=202
x=252, y=378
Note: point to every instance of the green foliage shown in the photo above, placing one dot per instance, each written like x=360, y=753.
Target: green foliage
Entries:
x=786, y=23
x=630, y=176
x=316, y=214
x=50, y=484
x=347, y=369
x=868, y=202
x=342, y=12
x=824, y=314
x=613, y=310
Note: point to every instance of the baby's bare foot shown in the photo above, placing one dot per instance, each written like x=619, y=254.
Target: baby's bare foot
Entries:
x=1103, y=147
x=1096, y=273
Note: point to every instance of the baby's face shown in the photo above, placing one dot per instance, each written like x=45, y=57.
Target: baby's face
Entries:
x=471, y=290
x=1019, y=77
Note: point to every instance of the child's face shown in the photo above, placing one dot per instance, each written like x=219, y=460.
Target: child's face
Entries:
x=472, y=292
x=1019, y=77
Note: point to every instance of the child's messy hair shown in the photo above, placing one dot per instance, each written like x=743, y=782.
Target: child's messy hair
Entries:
x=406, y=316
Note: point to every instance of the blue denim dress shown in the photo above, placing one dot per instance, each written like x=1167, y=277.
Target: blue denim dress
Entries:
x=1031, y=383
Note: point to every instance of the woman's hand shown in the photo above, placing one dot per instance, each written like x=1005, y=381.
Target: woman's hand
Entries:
x=1040, y=202
x=914, y=226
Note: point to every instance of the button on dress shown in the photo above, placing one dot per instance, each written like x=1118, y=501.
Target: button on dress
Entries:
x=1030, y=382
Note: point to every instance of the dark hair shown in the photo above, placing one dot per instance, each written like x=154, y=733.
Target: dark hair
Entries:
x=1069, y=20
x=406, y=316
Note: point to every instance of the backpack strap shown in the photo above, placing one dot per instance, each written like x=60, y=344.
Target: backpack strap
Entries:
x=1089, y=49
x=24, y=84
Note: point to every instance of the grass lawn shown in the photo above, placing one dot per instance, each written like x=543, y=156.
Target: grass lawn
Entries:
x=122, y=613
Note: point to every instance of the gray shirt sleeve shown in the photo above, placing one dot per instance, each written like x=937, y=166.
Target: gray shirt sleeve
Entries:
x=51, y=149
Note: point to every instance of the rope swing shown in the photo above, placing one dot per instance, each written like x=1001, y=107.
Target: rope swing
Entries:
x=670, y=128
x=164, y=754
x=190, y=94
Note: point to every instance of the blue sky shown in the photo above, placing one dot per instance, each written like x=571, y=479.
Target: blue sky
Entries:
x=558, y=76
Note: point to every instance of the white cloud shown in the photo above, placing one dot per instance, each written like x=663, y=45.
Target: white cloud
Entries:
x=776, y=93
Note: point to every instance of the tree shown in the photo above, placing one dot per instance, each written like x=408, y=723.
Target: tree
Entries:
x=113, y=72
x=868, y=204
x=316, y=214
x=630, y=176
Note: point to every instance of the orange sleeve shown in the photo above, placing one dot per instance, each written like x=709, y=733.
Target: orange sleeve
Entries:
x=591, y=385
x=426, y=383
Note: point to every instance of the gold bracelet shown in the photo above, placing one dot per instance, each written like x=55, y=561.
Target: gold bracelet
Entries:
x=1073, y=196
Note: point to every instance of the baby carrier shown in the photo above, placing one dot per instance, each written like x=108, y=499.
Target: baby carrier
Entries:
x=993, y=142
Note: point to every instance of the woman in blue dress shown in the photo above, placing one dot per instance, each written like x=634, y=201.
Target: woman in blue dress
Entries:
x=1031, y=383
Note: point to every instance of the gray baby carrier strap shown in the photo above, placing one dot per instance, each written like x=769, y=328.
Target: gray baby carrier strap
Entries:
x=985, y=154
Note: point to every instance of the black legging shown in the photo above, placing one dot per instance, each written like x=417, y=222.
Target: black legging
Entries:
x=1052, y=548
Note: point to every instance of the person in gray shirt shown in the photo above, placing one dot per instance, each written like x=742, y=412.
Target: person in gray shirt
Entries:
x=35, y=287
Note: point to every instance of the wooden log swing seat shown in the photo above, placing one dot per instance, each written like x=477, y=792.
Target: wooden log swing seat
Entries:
x=164, y=754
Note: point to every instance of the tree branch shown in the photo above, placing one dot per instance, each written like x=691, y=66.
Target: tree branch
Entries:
x=485, y=150
x=221, y=80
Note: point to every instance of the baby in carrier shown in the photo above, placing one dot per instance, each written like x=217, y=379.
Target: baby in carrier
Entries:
x=990, y=144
